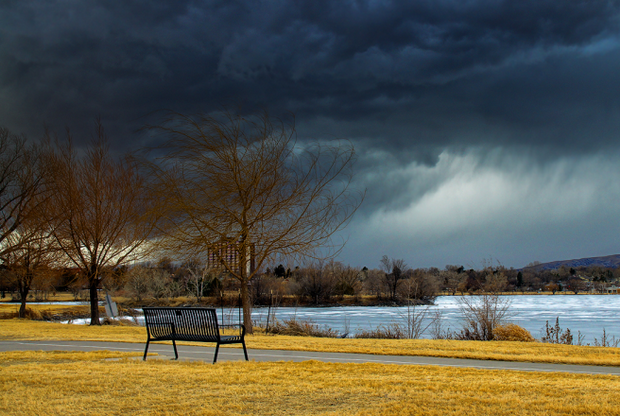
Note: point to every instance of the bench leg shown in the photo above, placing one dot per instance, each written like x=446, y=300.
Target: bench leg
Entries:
x=146, y=349
x=245, y=351
x=217, y=349
x=176, y=354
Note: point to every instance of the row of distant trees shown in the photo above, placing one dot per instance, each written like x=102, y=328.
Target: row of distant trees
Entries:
x=500, y=279
x=325, y=282
x=217, y=180
x=317, y=283
x=394, y=282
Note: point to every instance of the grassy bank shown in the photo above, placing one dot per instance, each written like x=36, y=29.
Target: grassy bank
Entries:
x=47, y=311
x=485, y=350
x=54, y=383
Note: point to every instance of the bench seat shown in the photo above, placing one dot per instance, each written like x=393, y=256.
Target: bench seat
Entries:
x=189, y=324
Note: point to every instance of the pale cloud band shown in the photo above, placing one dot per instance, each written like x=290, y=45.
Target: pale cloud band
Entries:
x=493, y=204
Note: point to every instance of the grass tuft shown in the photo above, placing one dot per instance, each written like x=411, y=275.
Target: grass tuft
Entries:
x=512, y=332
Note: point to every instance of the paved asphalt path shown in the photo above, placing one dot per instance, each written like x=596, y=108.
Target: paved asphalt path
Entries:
x=187, y=352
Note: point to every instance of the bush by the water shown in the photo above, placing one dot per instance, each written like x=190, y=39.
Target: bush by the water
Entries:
x=301, y=328
x=392, y=331
x=512, y=332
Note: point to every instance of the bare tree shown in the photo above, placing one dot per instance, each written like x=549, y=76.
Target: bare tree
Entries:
x=137, y=282
x=23, y=174
x=347, y=278
x=155, y=282
x=451, y=280
x=495, y=281
x=315, y=282
x=420, y=285
x=31, y=260
x=241, y=190
x=394, y=272
x=576, y=285
x=374, y=284
x=102, y=216
x=202, y=278
x=25, y=243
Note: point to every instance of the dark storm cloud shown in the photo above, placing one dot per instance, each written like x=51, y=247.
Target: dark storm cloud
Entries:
x=482, y=128
x=418, y=73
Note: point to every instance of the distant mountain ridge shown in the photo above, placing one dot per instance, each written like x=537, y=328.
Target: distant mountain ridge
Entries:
x=612, y=261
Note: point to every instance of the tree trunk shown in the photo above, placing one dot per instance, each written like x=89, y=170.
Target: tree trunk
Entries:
x=24, y=287
x=244, y=280
x=247, y=307
x=94, y=302
x=23, y=293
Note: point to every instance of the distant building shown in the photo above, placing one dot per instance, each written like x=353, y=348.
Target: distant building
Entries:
x=228, y=253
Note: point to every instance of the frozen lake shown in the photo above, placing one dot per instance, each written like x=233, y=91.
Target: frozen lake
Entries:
x=589, y=314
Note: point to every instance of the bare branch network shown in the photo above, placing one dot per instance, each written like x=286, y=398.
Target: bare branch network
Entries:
x=230, y=191
x=100, y=213
x=246, y=182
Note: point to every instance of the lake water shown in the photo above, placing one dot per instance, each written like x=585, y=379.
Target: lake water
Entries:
x=588, y=314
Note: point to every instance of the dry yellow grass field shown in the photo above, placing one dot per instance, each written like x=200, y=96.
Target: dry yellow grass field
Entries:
x=69, y=309
x=53, y=383
x=57, y=297
x=499, y=350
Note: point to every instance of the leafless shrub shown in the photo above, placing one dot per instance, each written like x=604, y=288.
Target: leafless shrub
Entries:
x=143, y=282
x=77, y=288
x=482, y=314
x=580, y=338
x=391, y=331
x=159, y=283
x=297, y=327
x=606, y=341
x=495, y=281
x=417, y=320
x=555, y=335
x=437, y=330
x=47, y=315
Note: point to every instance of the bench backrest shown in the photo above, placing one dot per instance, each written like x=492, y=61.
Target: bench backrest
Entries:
x=189, y=324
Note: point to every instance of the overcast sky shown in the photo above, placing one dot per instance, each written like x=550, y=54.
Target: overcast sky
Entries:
x=484, y=129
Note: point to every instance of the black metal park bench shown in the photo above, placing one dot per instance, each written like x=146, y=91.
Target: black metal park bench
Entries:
x=189, y=324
